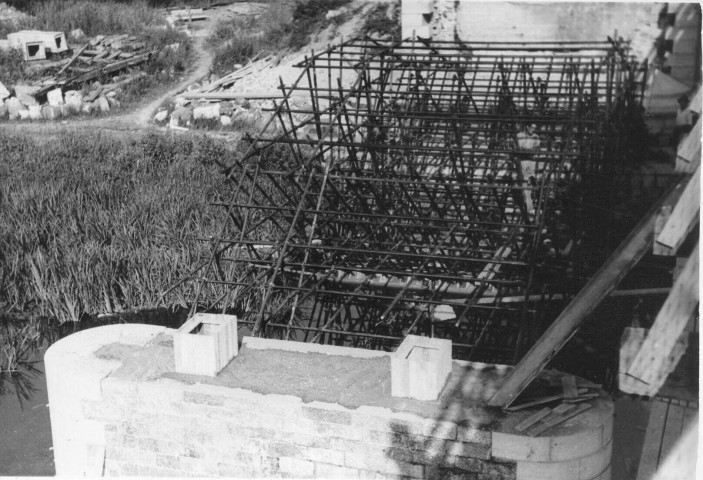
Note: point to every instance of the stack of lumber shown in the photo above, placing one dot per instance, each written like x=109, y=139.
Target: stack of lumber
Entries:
x=102, y=55
x=225, y=87
x=573, y=401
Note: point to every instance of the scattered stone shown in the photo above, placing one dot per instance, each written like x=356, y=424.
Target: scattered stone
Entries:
x=227, y=108
x=13, y=107
x=181, y=102
x=50, y=112
x=174, y=46
x=87, y=108
x=24, y=114
x=207, y=112
x=161, y=116
x=225, y=121
x=4, y=92
x=102, y=104
x=114, y=103
x=111, y=94
x=55, y=97
x=93, y=95
x=73, y=100
x=34, y=112
x=25, y=94
x=77, y=34
x=181, y=116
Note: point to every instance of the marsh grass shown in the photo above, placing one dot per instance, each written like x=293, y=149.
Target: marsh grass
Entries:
x=97, y=224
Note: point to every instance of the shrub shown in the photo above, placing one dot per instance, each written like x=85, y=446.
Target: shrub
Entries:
x=12, y=66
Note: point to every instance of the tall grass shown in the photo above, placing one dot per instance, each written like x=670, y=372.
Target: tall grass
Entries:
x=91, y=225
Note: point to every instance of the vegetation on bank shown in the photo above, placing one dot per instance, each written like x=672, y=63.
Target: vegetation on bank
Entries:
x=92, y=224
x=138, y=18
x=285, y=25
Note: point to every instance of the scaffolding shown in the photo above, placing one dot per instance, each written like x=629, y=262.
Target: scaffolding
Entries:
x=428, y=188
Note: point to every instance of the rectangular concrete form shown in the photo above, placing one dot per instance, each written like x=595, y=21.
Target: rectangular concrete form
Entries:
x=205, y=344
x=420, y=367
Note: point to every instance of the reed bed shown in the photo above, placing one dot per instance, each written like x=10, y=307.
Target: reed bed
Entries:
x=91, y=224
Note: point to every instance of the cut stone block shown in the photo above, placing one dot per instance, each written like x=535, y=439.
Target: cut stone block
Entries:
x=13, y=107
x=207, y=112
x=205, y=344
x=73, y=100
x=25, y=94
x=161, y=116
x=102, y=104
x=4, y=92
x=34, y=112
x=50, y=112
x=55, y=97
x=420, y=367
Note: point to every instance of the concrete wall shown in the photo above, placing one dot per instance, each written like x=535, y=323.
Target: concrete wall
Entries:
x=123, y=411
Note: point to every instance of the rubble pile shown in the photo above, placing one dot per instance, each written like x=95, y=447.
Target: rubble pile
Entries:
x=221, y=99
x=89, y=79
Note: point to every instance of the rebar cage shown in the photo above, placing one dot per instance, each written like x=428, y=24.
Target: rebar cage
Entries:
x=427, y=188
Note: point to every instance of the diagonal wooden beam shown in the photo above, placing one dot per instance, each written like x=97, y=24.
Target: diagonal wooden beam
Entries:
x=651, y=362
x=603, y=282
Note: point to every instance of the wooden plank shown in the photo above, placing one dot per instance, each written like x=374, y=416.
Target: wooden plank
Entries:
x=684, y=215
x=637, y=243
x=568, y=382
x=649, y=460
x=73, y=59
x=689, y=148
x=559, y=419
x=558, y=411
x=668, y=326
x=534, y=403
x=532, y=419
x=672, y=430
x=233, y=95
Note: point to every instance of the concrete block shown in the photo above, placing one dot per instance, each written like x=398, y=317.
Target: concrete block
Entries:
x=101, y=104
x=582, y=443
x=296, y=467
x=327, y=415
x=586, y=468
x=324, y=470
x=472, y=434
x=4, y=92
x=49, y=112
x=25, y=94
x=55, y=97
x=420, y=367
x=326, y=455
x=161, y=116
x=446, y=430
x=35, y=112
x=74, y=101
x=205, y=344
x=520, y=447
x=13, y=107
x=207, y=112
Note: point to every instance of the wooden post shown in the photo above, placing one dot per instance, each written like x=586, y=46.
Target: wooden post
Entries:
x=603, y=282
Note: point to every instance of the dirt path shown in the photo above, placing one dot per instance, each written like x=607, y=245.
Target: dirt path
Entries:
x=138, y=119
